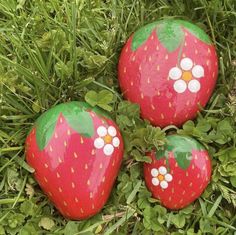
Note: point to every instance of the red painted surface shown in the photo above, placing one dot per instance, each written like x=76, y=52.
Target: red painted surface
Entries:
x=144, y=79
x=186, y=185
x=75, y=176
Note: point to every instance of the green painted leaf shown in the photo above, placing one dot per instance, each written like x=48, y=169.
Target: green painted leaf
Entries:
x=170, y=35
x=45, y=126
x=196, y=31
x=141, y=35
x=183, y=159
x=79, y=119
x=160, y=154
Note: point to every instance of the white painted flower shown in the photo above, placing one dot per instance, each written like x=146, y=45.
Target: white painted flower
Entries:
x=161, y=177
x=186, y=76
x=107, y=139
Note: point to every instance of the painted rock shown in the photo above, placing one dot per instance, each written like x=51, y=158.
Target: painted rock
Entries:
x=169, y=68
x=178, y=174
x=76, y=152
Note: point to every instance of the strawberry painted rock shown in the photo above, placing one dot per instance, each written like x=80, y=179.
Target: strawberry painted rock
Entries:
x=169, y=68
x=76, y=152
x=178, y=174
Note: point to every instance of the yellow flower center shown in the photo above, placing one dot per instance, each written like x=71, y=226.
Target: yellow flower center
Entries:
x=160, y=177
x=187, y=76
x=108, y=139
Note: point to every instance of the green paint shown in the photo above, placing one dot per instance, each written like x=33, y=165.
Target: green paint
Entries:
x=76, y=115
x=196, y=31
x=182, y=147
x=141, y=35
x=169, y=32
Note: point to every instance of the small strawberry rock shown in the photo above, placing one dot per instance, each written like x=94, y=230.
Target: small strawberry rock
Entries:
x=169, y=68
x=76, y=152
x=178, y=174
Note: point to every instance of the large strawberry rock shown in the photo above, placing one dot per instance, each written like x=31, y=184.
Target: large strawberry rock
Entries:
x=178, y=174
x=76, y=152
x=169, y=68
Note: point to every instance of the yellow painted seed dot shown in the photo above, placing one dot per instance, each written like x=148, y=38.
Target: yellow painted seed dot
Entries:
x=86, y=167
x=65, y=204
x=180, y=182
x=81, y=210
x=75, y=155
x=50, y=148
x=170, y=105
x=145, y=48
x=166, y=57
x=73, y=185
x=153, y=107
x=76, y=200
x=56, y=136
x=125, y=70
x=103, y=179
x=185, y=44
x=193, y=194
x=91, y=195
x=162, y=116
x=93, y=206
x=186, y=173
x=141, y=95
x=88, y=182
x=72, y=170
x=196, y=51
x=133, y=58
x=103, y=192
x=170, y=199
x=208, y=50
x=183, y=192
x=33, y=155
x=65, y=143
x=208, y=62
x=113, y=163
x=60, y=189
x=158, y=67
x=172, y=190
x=157, y=47
x=150, y=58
x=193, y=167
x=131, y=83
x=126, y=49
x=100, y=166
x=59, y=159
x=46, y=165
x=93, y=152
x=184, y=55
x=61, y=120
x=45, y=179
x=191, y=184
x=58, y=175
x=158, y=93
x=81, y=140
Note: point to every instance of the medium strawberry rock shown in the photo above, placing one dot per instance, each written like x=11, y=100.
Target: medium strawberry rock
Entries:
x=169, y=68
x=76, y=152
x=178, y=174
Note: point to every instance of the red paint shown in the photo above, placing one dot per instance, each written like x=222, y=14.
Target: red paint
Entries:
x=186, y=185
x=75, y=176
x=143, y=77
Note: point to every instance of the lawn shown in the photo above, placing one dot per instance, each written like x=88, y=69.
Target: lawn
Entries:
x=60, y=50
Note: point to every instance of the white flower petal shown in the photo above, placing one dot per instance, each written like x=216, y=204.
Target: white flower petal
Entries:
x=168, y=177
x=162, y=170
x=175, y=73
x=99, y=143
x=198, y=71
x=154, y=172
x=155, y=181
x=194, y=86
x=102, y=131
x=112, y=131
x=116, y=142
x=180, y=86
x=164, y=184
x=108, y=149
x=186, y=63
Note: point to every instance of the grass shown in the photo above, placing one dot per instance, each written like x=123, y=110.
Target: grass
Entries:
x=59, y=50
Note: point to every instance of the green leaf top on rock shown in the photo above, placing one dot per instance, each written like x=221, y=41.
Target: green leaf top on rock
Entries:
x=76, y=116
x=170, y=33
x=182, y=148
